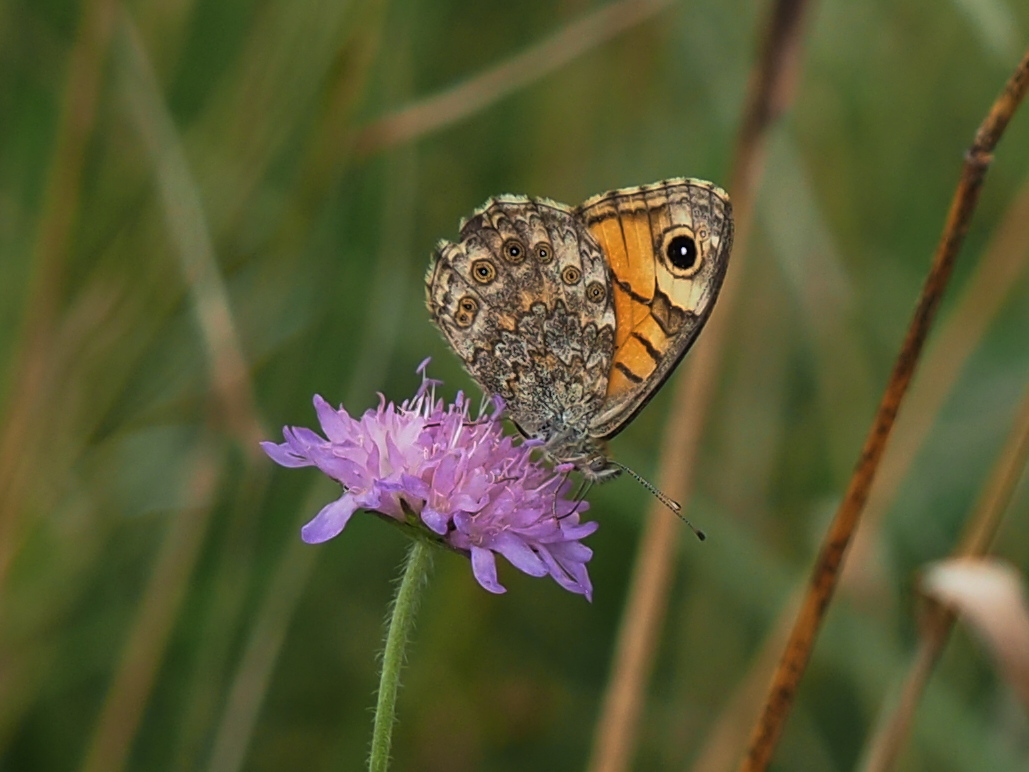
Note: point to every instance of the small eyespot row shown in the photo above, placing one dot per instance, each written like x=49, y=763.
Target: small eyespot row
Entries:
x=467, y=308
x=513, y=251
x=570, y=274
x=595, y=292
x=483, y=271
x=543, y=253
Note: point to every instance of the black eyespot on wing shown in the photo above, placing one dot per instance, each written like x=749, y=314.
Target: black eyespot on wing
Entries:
x=570, y=274
x=682, y=252
x=483, y=271
x=467, y=308
x=595, y=291
x=513, y=251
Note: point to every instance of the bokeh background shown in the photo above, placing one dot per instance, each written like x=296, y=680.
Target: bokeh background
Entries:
x=212, y=209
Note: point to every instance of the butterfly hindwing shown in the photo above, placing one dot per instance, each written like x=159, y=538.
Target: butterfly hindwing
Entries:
x=523, y=299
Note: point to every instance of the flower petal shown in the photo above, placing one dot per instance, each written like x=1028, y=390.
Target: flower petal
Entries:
x=330, y=521
x=438, y=522
x=519, y=554
x=336, y=427
x=283, y=455
x=484, y=568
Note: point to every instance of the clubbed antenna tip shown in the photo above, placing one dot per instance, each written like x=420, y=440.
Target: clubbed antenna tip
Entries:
x=669, y=502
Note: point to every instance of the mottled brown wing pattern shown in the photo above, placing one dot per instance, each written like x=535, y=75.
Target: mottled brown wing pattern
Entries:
x=667, y=247
x=523, y=299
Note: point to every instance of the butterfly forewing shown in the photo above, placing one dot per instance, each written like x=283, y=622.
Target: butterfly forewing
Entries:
x=667, y=246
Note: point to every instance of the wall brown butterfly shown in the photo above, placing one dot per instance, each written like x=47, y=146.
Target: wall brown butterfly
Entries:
x=576, y=317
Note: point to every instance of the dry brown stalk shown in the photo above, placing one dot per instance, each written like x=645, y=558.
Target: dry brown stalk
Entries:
x=984, y=294
x=827, y=566
x=769, y=94
x=938, y=621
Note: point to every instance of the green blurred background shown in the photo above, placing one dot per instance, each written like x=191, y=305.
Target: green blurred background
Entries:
x=238, y=238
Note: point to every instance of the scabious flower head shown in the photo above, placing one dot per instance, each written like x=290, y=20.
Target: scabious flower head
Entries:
x=458, y=480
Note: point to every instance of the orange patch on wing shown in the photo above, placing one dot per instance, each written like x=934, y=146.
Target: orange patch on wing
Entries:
x=626, y=238
x=637, y=358
x=608, y=234
x=639, y=272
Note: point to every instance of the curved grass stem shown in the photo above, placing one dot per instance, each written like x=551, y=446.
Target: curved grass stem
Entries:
x=401, y=623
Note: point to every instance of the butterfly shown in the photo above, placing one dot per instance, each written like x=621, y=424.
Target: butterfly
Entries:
x=576, y=317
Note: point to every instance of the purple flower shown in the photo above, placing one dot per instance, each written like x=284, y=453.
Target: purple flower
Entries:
x=458, y=480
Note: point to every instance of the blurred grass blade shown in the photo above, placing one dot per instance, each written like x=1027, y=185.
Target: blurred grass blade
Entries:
x=378, y=345
x=187, y=226
x=987, y=594
x=771, y=87
x=157, y=610
x=250, y=684
x=995, y=24
x=722, y=742
x=32, y=369
x=453, y=105
x=812, y=263
x=376, y=352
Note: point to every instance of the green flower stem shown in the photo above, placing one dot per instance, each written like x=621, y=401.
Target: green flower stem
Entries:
x=405, y=606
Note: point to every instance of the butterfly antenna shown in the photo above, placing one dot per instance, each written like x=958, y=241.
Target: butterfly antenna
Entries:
x=669, y=502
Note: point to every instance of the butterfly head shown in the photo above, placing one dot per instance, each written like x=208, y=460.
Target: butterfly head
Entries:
x=588, y=456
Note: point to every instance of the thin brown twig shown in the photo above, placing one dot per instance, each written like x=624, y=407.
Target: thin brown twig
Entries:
x=469, y=97
x=827, y=567
x=33, y=366
x=983, y=295
x=769, y=94
x=938, y=621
